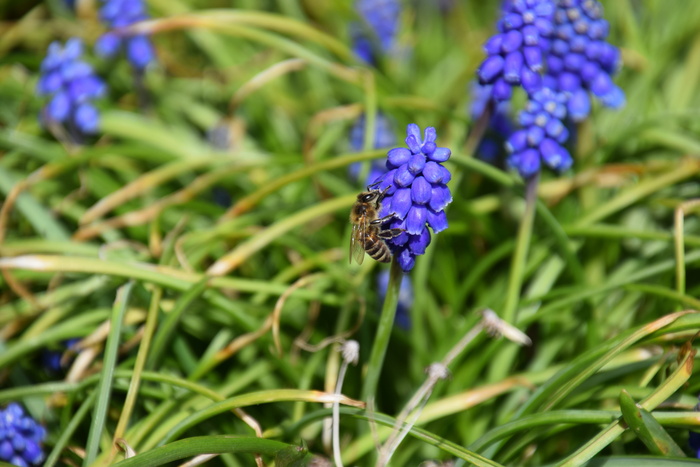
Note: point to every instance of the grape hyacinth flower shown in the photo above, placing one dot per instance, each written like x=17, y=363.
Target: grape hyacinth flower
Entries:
x=383, y=137
x=118, y=14
x=20, y=437
x=381, y=18
x=417, y=194
x=516, y=55
x=542, y=135
x=72, y=85
x=403, y=317
x=580, y=60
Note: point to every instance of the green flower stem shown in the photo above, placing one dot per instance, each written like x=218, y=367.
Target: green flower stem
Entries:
x=522, y=246
x=381, y=340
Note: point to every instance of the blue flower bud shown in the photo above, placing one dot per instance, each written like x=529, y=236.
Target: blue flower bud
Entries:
x=421, y=191
x=401, y=202
x=512, y=66
x=398, y=156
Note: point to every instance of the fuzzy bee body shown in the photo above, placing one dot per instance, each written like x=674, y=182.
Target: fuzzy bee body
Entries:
x=367, y=233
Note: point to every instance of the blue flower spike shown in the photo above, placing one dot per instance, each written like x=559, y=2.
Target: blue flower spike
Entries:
x=515, y=56
x=118, y=14
x=417, y=193
x=20, y=437
x=71, y=85
x=581, y=61
x=542, y=135
x=381, y=18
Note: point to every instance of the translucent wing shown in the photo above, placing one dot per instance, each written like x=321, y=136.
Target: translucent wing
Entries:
x=357, y=243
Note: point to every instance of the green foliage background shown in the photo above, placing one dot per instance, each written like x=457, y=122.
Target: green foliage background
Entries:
x=121, y=242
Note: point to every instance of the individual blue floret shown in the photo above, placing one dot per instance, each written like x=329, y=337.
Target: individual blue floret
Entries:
x=542, y=135
x=21, y=437
x=118, y=14
x=417, y=193
x=71, y=85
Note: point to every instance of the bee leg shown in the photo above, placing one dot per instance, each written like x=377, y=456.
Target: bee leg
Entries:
x=390, y=233
x=369, y=187
x=384, y=219
x=381, y=196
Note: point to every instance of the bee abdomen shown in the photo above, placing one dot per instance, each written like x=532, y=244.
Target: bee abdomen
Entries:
x=377, y=249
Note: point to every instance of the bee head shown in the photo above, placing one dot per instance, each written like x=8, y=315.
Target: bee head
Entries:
x=367, y=197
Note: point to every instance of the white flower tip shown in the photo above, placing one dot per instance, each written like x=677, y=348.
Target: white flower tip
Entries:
x=350, y=351
x=437, y=371
x=497, y=327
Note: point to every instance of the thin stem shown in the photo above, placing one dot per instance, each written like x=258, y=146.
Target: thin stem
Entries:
x=336, y=416
x=381, y=340
x=522, y=245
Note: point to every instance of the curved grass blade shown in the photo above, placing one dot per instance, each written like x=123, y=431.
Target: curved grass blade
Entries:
x=190, y=447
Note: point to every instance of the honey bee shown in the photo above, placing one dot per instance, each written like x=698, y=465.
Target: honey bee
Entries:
x=367, y=233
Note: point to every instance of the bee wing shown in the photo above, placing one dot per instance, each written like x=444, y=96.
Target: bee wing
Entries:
x=357, y=244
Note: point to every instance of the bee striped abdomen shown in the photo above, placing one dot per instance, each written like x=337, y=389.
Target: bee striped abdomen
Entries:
x=377, y=249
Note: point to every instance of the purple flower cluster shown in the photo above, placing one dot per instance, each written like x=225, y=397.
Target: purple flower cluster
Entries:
x=378, y=33
x=516, y=54
x=580, y=60
x=417, y=193
x=20, y=437
x=72, y=85
x=118, y=14
x=541, y=138
x=383, y=137
x=556, y=51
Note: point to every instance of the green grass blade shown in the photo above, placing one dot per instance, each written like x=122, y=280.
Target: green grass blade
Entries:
x=109, y=362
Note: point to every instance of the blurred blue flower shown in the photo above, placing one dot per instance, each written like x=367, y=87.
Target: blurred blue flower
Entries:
x=403, y=308
x=384, y=136
x=542, y=135
x=71, y=85
x=491, y=148
x=51, y=359
x=580, y=60
x=417, y=193
x=118, y=14
x=20, y=437
x=515, y=56
x=378, y=33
